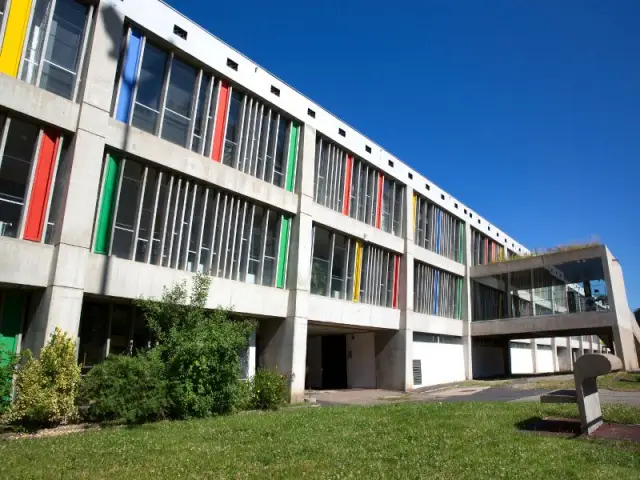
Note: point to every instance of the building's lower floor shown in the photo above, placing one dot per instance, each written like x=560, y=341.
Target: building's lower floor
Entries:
x=321, y=355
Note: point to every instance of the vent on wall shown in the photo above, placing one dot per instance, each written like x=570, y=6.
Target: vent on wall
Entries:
x=275, y=91
x=232, y=65
x=367, y=148
x=417, y=373
x=181, y=32
x=311, y=113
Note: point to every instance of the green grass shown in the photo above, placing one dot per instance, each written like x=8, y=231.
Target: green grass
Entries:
x=618, y=382
x=449, y=441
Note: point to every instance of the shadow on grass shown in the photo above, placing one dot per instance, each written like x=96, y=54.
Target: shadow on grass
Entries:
x=562, y=427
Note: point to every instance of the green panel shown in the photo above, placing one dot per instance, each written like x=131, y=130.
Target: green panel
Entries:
x=282, y=255
x=462, y=243
x=12, y=311
x=107, y=205
x=459, y=301
x=293, y=154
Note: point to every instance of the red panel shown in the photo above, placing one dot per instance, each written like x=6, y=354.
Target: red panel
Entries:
x=396, y=275
x=486, y=251
x=221, y=120
x=379, y=200
x=41, y=189
x=347, y=186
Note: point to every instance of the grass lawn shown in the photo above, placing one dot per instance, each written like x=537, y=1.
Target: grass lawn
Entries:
x=454, y=441
x=618, y=382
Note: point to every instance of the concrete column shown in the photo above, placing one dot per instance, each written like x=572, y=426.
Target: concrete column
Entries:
x=467, y=311
x=554, y=353
x=534, y=355
x=392, y=350
x=581, y=346
x=531, y=290
x=61, y=303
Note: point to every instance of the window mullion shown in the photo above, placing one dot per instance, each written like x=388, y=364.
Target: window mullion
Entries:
x=203, y=219
x=255, y=149
x=275, y=148
x=182, y=263
x=194, y=109
x=249, y=243
x=32, y=173
x=45, y=41
x=316, y=174
x=345, y=275
x=183, y=212
x=165, y=222
x=117, y=203
x=3, y=137
x=232, y=240
x=154, y=212
x=83, y=52
x=243, y=143
x=226, y=200
x=173, y=222
x=266, y=146
x=165, y=89
x=238, y=140
x=54, y=175
x=138, y=216
x=236, y=272
x=332, y=245
x=208, y=131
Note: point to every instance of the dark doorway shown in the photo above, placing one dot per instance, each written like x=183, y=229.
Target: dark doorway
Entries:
x=334, y=361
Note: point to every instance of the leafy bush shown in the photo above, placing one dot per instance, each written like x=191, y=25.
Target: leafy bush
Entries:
x=269, y=389
x=7, y=367
x=46, y=387
x=200, y=350
x=128, y=389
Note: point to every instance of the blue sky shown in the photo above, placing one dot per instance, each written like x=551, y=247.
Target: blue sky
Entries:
x=528, y=111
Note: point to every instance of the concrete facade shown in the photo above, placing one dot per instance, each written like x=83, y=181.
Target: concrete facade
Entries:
x=66, y=271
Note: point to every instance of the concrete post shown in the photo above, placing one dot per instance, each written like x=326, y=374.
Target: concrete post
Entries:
x=61, y=303
x=467, y=312
x=534, y=355
x=554, y=353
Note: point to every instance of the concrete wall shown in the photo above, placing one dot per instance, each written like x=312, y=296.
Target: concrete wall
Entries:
x=440, y=363
x=544, y=360
x=361, y=364
x=521, y=360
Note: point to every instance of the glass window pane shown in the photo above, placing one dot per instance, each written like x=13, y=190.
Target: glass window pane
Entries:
x=233, y=128
x=64, y=163
x=338, y=267
x=14, y=174
x=127, y=207
x=320, y=264
x=182, y=82
x=94, y=325
x=268, y=274
x=256, y=245
x=199, y=121
x=33, y=50
x=280, y=161
x=145, y=215
x=149, y=91
x=63, y=47
x=159, y=222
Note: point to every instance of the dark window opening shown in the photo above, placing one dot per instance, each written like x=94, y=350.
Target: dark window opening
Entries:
x=410, y=176
x=311, y=113
x=275, y=91
x=367, y=148
x=232, y=65
x=181, y=32
x=391, y=163
x=342, y=132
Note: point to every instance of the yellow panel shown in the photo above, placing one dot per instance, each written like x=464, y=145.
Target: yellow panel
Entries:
x=14, y=36
x=415, y=200
x=357, y=271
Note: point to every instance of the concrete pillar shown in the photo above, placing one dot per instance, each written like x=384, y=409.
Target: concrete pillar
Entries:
x=534, y=355
x=61, y=303
x=467, y=311
x=393, y=370
x=554, y=354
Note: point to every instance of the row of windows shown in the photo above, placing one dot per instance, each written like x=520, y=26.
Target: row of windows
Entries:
x=430, y=338
x=485, y=250
x=437, y=230
x=520, y=345
x=349, y=185
x=344, y=268
x=33, y=166
x=520, y=307
x=164, y=219
x=436, y=292
x=55, y=45
x=488, y=303
x=162, y=94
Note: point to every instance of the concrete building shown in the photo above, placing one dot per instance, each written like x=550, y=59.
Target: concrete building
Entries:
x=137, y=149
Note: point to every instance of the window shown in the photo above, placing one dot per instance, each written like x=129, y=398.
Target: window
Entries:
x=367, y=148
x=342, y=133
x=171, y=221
x=180, y=32
x=436, y=292
x=311, y=113
x=340, y=262
x=146, y=110
x=55, y=50
x=438, y=230
x=390, y=163
x=488, y=303
x=16, y=160
x=178, y=105
x=485, y=250
x=275, y=91
x=410, y=176
x=232, y=65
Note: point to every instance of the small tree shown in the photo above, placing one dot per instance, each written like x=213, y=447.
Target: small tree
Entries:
x=200, y=349
x=46, y=387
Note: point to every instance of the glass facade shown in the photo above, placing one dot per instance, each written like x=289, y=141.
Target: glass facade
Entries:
x=168, y=220
x=484, y=249
x=436, y=292
x=437, y=230
x=56, y=44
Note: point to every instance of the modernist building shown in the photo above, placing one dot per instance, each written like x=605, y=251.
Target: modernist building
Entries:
x=137, y=149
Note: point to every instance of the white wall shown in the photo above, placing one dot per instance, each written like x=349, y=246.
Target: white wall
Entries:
x=544, y=361
x=521, y=360
x=440, y=362
x=361, y=360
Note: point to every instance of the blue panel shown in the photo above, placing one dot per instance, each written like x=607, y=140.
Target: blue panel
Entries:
x=435, y=294
x=129, y=71
x=438, y=232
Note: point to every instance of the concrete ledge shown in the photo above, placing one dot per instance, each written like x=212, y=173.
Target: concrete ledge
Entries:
x=354, y=228
x=154, y=149
x=432, y=258
x=539, y=261
x=423, y=323
x=38, y=104
x=545, y=325
x=116, y=277
x=330, y=310
x=25, y=263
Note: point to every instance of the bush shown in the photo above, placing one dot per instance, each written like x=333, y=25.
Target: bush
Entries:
x=7, y=368
x=200, y=350
x=269, y=389
x=46, y=387
x=126, y=389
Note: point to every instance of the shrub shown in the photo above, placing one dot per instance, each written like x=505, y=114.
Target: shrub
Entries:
x=46, y=387
x=269, y=389
x=7, y=368
x=126, y=389
x=200, y=350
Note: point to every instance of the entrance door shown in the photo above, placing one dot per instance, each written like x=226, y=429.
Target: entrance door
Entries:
x=334, y=361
